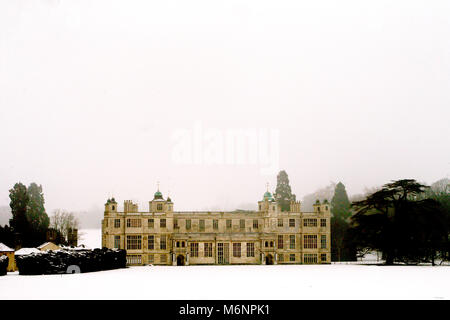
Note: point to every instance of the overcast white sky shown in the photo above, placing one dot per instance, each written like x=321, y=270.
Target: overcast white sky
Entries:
x=92, y=91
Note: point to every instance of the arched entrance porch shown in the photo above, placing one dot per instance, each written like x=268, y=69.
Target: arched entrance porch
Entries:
x=180, y=260
x=269, y=259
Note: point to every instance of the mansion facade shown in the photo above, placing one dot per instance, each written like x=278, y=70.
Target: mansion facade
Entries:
x=162, y=236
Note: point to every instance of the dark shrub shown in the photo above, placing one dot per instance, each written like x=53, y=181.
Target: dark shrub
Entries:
x=51, y=262
x=4, y=260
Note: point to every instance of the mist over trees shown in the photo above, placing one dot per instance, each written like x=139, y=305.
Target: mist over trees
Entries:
x=427, y=223
x=321, y=194
x=440, y=191
x=327, y=192
x=364, y=195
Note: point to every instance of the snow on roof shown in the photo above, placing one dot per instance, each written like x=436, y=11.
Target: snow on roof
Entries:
x=43, y=245
x=4, y=248
x=80, y=247
x=25, y=251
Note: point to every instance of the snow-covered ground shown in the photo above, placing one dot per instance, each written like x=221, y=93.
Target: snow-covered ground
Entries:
x=337, y=281
x=236, y=282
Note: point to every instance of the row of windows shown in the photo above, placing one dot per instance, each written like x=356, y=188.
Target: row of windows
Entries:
x=308, y=258
x=134, y=242
x=137, y=223
x=162, y=258
x=281, y=257
x=162, y=242
x=134, y=259
x=274, y=208
x=291, y=223
x=207, y=249
x=137, y=259
x=207, y=252
x=280, y=242
x=180, y=244
x=309, y=242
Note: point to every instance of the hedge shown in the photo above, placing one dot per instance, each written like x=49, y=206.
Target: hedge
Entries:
x=4, y=260
x=68, y=261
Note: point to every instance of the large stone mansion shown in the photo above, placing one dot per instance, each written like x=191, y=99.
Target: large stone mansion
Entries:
x=162, y=236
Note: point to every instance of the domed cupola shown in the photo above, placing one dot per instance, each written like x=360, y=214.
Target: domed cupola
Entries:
x=268, y=196
x=158, y=195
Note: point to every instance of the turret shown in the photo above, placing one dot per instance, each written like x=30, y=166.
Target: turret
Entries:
x=169, y=204
x=158, y=204
x=326, y=207
x=268, y=203
x=110, y=206
x=321, y=207
x=317, y=206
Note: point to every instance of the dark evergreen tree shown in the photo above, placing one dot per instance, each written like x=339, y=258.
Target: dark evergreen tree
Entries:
x=340, y=205
x=440, y=191
x=397, y=222
x=29, y=220
x=341, y=247
x=36, y=214
x=283, y=193
x=7, y=236
x=338, y=231
x=19, y=204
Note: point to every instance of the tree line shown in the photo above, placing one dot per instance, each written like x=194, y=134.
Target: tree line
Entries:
x=405, y=220
x=30, y=225
x=408, y=222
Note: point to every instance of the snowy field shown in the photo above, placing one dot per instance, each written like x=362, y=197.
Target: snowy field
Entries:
x=236, y=282
x=233, y=282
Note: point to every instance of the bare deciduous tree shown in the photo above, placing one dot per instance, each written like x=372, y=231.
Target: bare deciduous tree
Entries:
x=62, y=221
